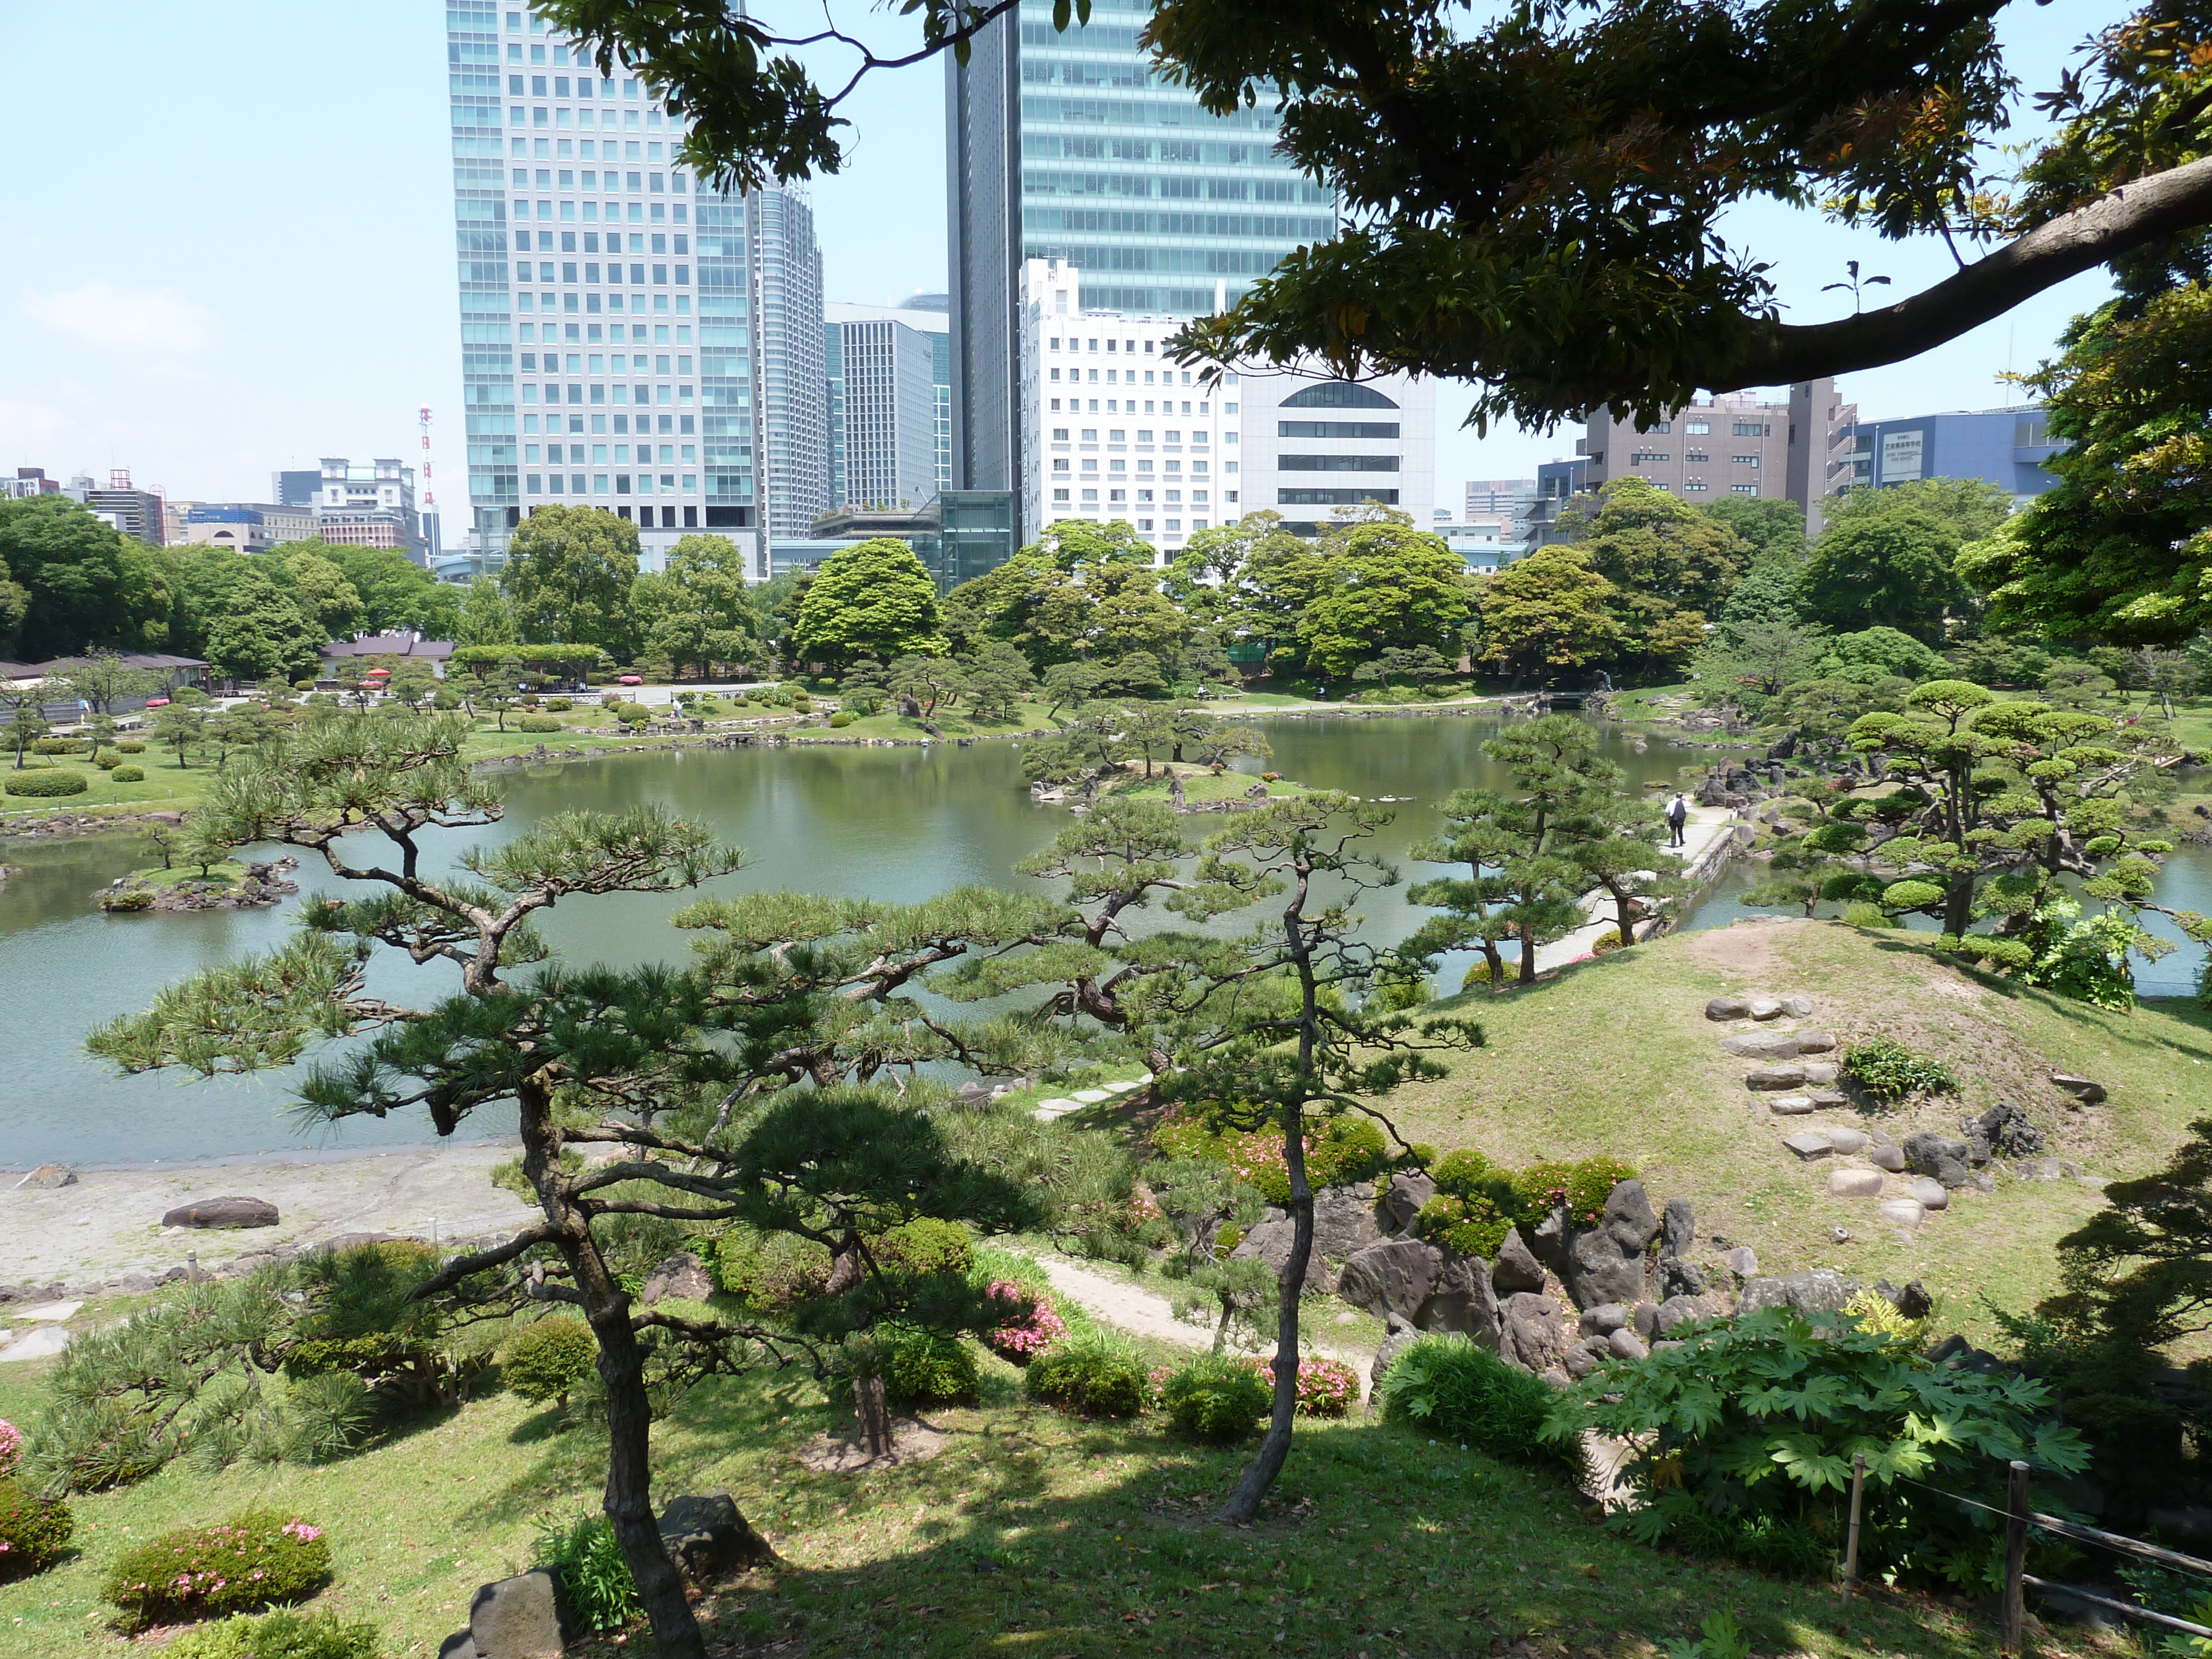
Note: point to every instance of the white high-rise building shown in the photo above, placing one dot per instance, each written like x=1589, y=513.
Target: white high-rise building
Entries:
x=885, y=404
x=622, y=332
x=1118, y=431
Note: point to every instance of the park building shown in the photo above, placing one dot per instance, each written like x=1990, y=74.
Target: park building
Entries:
x=1120, y=431
x=630, y=340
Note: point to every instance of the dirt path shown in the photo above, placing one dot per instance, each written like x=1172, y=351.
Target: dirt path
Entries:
x=1143, y=1313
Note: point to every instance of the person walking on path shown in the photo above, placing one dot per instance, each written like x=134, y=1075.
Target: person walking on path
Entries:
x=1678, y=814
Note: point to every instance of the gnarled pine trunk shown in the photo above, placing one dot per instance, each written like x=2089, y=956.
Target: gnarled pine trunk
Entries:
x=1266, y=1464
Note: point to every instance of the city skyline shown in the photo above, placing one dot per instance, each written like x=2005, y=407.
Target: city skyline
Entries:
x=121, y=365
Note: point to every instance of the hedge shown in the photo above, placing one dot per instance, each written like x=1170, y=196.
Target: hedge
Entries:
x=127, y=773
x=528, y=656
x=260, y=1560
x=540, y=723
x=47, y=784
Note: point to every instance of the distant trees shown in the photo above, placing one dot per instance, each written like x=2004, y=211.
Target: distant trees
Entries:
x=697, y=611
x=70, y=582
x=1548, y=611
x=874, y=599
x=569, y=575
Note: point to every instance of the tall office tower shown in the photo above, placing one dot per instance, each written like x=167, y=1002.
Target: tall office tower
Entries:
x=794, y=417
x=597, y=371
x=1064, y=145
x=937, y=323
x=885, y=404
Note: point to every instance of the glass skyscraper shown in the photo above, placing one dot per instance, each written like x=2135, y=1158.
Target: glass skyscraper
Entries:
x=607, y=361
x=1064, y=145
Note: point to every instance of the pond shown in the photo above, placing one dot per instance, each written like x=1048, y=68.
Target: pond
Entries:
x=895, y=823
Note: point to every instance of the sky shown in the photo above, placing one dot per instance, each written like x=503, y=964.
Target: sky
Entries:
x=243, y=258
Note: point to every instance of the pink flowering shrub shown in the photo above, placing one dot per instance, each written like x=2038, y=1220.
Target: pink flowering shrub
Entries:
x=1027, y=1325
x=11, y=1447
x=33, y=1531
x=1327, y=1388
x=259, y=1560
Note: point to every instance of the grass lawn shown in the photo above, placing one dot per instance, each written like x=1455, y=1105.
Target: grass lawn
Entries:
x=167, y=788
x=1199, y=786
x=1029, y=1534
x=1615, y=1056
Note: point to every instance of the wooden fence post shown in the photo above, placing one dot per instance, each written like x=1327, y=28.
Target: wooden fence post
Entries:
x=2016, y=1606
x=1851, y=1550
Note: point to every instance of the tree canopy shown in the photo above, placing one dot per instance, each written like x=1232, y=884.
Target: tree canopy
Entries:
x=70, y=582
x=874, y=599
x=568, y=573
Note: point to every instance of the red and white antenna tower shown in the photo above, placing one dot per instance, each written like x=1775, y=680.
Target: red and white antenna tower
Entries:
x=429, y=495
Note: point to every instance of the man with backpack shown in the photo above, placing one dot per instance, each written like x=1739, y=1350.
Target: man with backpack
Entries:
x=1678, y=814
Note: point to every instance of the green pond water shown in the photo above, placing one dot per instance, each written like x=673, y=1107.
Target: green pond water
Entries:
x=891, y=824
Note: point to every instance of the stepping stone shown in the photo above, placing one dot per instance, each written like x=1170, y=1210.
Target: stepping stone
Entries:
x=1812, y=1040
x=1820, y=1072
x=1808, y=1144
x=1093, y=1096
x=41, y=1344
x=1903, y=1211
x=1124, y=1088
x=1846, y=1140
x=1778, y=1080
x=1766, y=1008
x=1797, y=1007
x=49, y=1310
x=1855, y=1183
x=1830, y=1097
x=1727, y=1008
x=1048, y=1110
x=1891, y=1158
x=1929, y=1191
x=1791, y=1105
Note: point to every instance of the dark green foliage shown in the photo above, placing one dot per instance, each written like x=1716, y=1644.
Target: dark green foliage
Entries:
x=596, y=1584
x=1743, y=1440
x=1446, y=1388
x=926, y=1368
x=772, y=1271
x=263, y=1558
x=1473, y=1226
x=33, y=1531
x=550, y=1358
x=1091, y=1375
x=285, y=1633
x=46, y=785
x=1888, y=1070
x=1216, y=1398
x=59, y=746
x=924, y=1246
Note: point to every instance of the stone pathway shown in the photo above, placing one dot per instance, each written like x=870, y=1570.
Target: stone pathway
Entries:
x=1708, y=827
x=1047, y=1111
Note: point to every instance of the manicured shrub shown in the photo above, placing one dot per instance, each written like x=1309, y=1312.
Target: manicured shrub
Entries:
x=1861, y=912
x=633, y=713
x=1591, y=1181
x=595, y=1579
x=558, y=705
x=1215, y=1397
x=446, y=701
x=1091, y=1375
x=545, y=1361
x=1888, y=1070
x=47, y=785
x=1461, y=1172
x=287, y=1633
x=1448, y=1389
x=108, y=759
x=773, y=1272
x=33, y=1531
x=131, y=747
x=1327, y=1388
x=127, y=773
x=1338, y=1150
x=540, y=723
x=924, y=1245
x=927, y=1368
x=841, y=720
x=259, y=1560
x=59, y=746
x=1473, y=1226
x=1028, y=1323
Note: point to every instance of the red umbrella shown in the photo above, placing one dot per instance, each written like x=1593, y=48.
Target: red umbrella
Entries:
x=379, y=673
x=629, y=679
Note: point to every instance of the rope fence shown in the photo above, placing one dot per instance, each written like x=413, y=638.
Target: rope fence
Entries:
x=2020, y=1520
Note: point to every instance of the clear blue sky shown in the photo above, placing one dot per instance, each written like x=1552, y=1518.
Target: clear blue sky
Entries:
x=231, y=238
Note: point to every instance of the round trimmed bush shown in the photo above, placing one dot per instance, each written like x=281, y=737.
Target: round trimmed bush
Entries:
x=108, y=759
x=1327, y=1388
x=47, y=784
x=446, y=701
x=1216, y=1398
x=59, y=746
x=33, y=1531
x=926, y=1245
x=286, y=1633
x=927, y=1367
x=131, y=747
x=1092, y=1376
x=1461, y=1172
x=841, y=719
x=127, y=773
x=540, y=723
x=633, y=713
x=259, y=1560
x=548, y=1359
x=558, y=705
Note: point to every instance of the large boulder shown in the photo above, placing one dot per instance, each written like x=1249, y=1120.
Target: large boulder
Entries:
x=1269, y=1241
x=1677, y=1277
x=1626, y=1345
x=1461, y=1301
x=682, y=1275
x=518, y=1618
x=1816, y=1291
x=1605, y=1263
x=1928, y=1153
x=1678, y=1229
x=1401, y=1336
x=1409, y=1191
x=1530, y=1332
x=2003, y=1131
x=1344, y=1220
x=1680, y=1311
x=50, y=1175
x=228, y=1211
x=1396, y=1276
x=708, y=1539
x=1517, y=1268
x=1723, y=1008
